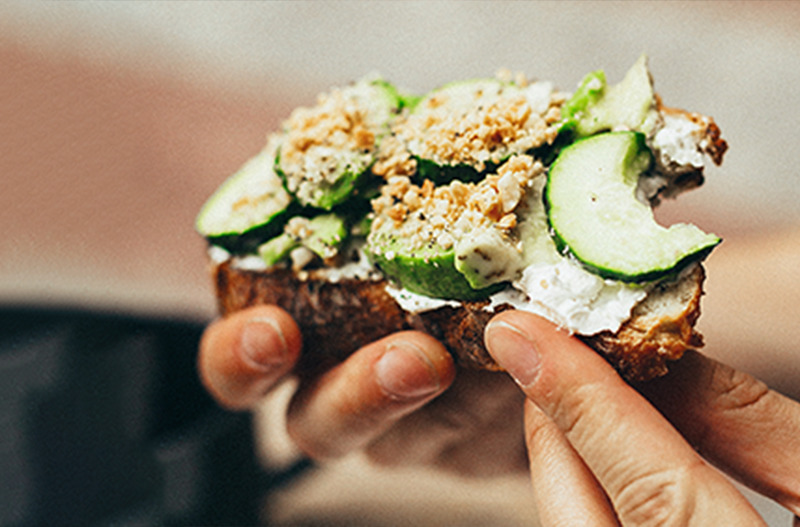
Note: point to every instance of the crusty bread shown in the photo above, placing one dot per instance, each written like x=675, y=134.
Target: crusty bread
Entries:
x=337, y=318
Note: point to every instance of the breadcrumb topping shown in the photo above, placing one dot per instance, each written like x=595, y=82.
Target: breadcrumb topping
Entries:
x=487, y=124
x=482, y=123
x=424, y=215
x=394, y=159
x=298, y=228
x=323, y=141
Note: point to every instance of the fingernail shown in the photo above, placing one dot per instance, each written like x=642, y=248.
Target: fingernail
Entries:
x=263, y=343
x=514, y=351
x=405, y=372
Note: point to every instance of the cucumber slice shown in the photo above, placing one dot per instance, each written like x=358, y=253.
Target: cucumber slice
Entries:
x=466, y=129
x=328, y=231
x=249, y=207
x=442, y=174
x=277, y=249
x=323, y=235
x=596, y=107
x=429, y=270
x=328, y=149
x=595, y=216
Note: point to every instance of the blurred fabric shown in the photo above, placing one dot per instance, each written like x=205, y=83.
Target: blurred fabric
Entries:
x=117, y=120
x=105, y=423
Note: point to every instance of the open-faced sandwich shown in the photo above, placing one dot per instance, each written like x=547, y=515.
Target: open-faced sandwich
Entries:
x=375, y=211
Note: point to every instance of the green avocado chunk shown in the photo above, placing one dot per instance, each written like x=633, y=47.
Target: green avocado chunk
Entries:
x=277, y=249
x=429, y=271
x=595, y=215
x=484, y=258
x=596, y=107
x=328, y=231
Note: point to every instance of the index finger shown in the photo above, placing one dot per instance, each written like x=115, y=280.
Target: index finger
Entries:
x=644, y=465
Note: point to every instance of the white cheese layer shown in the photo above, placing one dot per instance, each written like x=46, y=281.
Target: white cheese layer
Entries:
x=678, y=142
x=572, y=297
x=563, y=293
x=360, y=269
x=414, y=303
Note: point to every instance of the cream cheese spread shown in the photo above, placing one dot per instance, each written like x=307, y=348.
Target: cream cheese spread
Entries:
x=414, y=303
x=563, y=293
x=677, y=142
x=572, y=297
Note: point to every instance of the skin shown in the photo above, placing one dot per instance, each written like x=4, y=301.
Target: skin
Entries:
x=630, y=464
x=364, y=404
x=625, y=456
x=598, y=451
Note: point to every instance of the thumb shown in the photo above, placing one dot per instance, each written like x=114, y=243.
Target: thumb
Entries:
x=643, y=464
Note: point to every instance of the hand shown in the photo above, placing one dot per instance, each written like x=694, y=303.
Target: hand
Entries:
x=397, y=399
x=601, y=454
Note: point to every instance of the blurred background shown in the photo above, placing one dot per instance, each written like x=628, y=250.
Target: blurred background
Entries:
x=117, y=121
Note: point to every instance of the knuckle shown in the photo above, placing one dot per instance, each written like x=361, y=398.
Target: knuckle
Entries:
x=538, y=429
x=573, y=410
x=662, y=498
x=385, y=455
x=736, y=391
x=311, y=444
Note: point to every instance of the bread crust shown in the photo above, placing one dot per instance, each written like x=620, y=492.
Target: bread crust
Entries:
x=644, y=345
x=337, y=318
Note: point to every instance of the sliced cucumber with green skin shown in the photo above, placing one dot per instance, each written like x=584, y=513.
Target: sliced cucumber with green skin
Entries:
x=318, y=170
x=326, y=233
x=442, y=174
x=249, y=207
x=594, y=214
x=277, y=249
x=451, y=113
x=596, y=107
x=429, y=271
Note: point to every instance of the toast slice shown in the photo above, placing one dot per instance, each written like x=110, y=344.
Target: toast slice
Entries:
x=338, y=317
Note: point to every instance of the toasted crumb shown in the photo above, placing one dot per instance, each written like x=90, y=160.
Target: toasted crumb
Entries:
x=322, y=140
x=426, y=214
x=393, y=159
x=487, y=129
x=298, y=228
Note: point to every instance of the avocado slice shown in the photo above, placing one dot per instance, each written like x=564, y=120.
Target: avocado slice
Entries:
x=429, y=270
x=277, y=249
x=452, y=131
x=484, y=258
x=327, y=150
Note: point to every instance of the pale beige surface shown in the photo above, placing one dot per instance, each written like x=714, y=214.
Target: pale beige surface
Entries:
x=118, y=119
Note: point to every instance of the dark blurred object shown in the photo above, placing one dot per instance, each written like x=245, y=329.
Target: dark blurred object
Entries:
x=103, y=422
